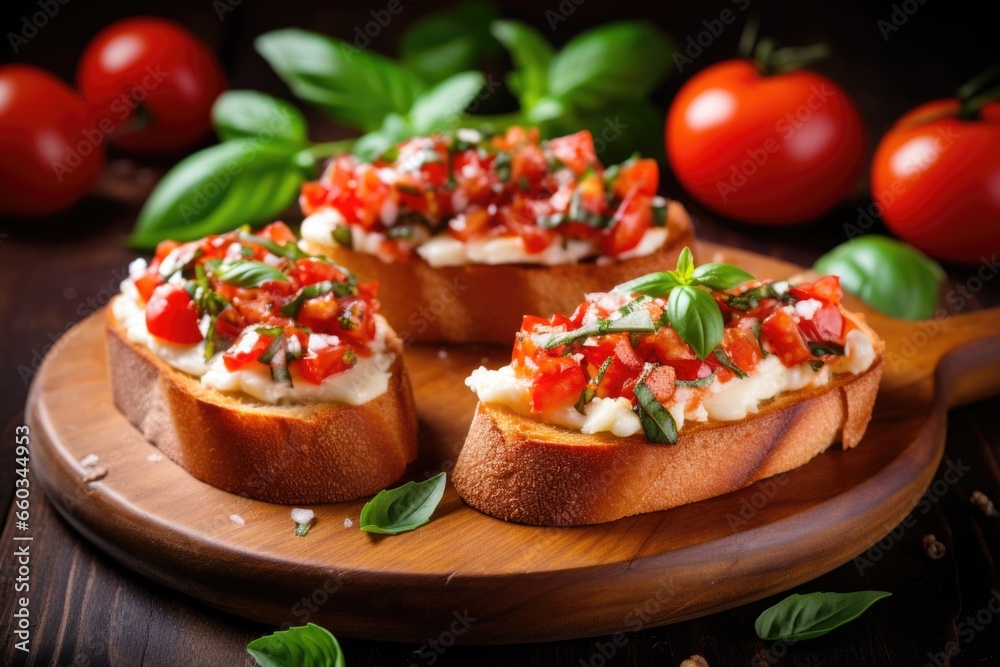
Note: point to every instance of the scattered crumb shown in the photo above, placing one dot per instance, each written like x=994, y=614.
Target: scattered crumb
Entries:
x=237, y=519
x=442, y=354
x=155, y=457
x=348, y=523
x=89, y=460
x=95, y=474
x=302, y=516
x=695, y=661
x=983, y=502
x=933, y=548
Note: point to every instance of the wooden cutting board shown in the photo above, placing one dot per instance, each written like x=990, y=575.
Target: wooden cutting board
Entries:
x=477, y=579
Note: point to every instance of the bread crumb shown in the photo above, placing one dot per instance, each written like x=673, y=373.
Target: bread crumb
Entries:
x=933, y=547
x=89, y=460
x=237, y=519
x=348, y=523
x=95, y=474
x=695, y=661
x=983, y=502
x=442, y=354
x=155, y=457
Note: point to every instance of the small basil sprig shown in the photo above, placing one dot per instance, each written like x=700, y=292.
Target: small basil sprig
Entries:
x=300, y=646
x=692, y=312
x=634, y=321
x=890, y=276
x=813, y=615
x=404, y=508
x=292, y=308
x=249, y=273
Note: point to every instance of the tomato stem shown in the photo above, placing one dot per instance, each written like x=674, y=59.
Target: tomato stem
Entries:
x=971, y=96
x=772, y=60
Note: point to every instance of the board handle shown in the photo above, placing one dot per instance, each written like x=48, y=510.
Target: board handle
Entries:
x=963, y=349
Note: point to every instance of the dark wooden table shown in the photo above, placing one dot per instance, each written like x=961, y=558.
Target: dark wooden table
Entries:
x=86, y=610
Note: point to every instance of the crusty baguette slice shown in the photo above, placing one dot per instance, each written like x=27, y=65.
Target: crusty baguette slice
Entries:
x=484, y=303
x=292, y=454
x=522, y=470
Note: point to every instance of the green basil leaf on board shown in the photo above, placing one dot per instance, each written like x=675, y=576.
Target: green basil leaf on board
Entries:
x=243, y=273
x=448, y=42
x=619, y=61
x=356, y=87
x=696, y=317
x=443, y=106
x=300, y=646
x=243, y=181
x=888, y=275
x=813, y=615
x=404, y=508
x=238, y=114
x=657, y=422
x=531, y=55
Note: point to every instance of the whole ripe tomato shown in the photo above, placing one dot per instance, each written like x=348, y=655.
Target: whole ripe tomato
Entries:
x=936, y=177
x=770, y=149
x=47, y=162
x=158, y=67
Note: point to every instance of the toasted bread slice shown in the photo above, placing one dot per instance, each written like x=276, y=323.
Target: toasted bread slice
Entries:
x=522, y=470
x=292, y=454
x=484, y=303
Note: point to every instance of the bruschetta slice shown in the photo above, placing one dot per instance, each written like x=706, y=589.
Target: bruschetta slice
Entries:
x=261, y=370
x=672, y=388
x=466, y=232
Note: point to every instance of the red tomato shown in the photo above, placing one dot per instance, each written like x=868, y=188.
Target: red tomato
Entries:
x=576, y=151
x=325, y=361
x=147, y=282
x=827, y=289
x=776, y=149
x=630, y=223
x=661, y=382
x=157, y=66
x=235, y=359
x=310, y=270
x=689, y=369
x=278, y=232
x=786, y=338
x=548, y=391
x=47, y=160
x=741, y=347
x=172, y=316
x=935, y=177
x=643, y=176
x=826, y=325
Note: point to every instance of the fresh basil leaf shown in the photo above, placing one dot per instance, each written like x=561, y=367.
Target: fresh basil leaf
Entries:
x=238, y=182
x=342, y=235
x=404, y=508
x=819, y=349
x=637, y=321
x=620, y=61
x=751, y=298
x=249, y=273
x=799, y=617
x=700, y=382
x=395, y=129
x=685, y=266
x=292, y=308
x=816, y=364
x=888, y=275
x=354, y=86
x=696, y=317
x=289, y=250
x=651, y=284
x=729, y=363
x=657, y=422
x=450, y=41
x=443, y=106
x=300, y=646
x=272, y=349
x=720, y=276
x=237, y=114
x=531, y=54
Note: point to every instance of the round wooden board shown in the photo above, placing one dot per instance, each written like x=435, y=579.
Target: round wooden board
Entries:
x=486, y=580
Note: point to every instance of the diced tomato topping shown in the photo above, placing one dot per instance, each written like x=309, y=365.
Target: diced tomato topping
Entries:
x=826, y=325
x=661, y=382
x=630, y=222
x=576, y=151
x=311, y=270
x=742, y=348
x=164, y=248
x=171, y=315
x=827, y=289
x=239, y=355
x=326, y=357
x=689, y=369
x=470, y=224
x=557, y=389
x=786, y=338
x=278, y=232
x=664, y=345
x=641, y=176
x=147, y=282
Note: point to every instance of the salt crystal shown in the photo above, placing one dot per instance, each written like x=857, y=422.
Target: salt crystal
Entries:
x=348, y=523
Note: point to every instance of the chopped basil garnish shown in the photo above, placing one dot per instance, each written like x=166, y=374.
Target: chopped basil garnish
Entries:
x=728, y=363
x=406, y=189
x=577, y=213
x=244, y=273
x=523, y=184
x=816, y=364
x=752, y=297
x=636, y=321
x=288, y=250
x=757, y=328
x=501, y=165
x=659, y=215
x=591, y=389
x=819, y=349
x=273, y=348
x=400, y=231
x=292, y=308
x=700, y=382
x=656, y=420
x=342, y=235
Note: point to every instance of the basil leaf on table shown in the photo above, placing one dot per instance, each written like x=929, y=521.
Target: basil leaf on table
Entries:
x=888, y=275
x=443, y=106
x=243, y=181
x=696, y=317
x=531, y=55
x=450, y=41
x=301, y=646
x=657, y=422
x=250, y=273
x=800, y=617
x=238, y=114
x=356, y=87
x=619, y=61
x=404, y=508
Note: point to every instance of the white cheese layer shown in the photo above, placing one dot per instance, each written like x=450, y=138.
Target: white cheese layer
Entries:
x=445, y=250
x=368, y=379
x=724, y=401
